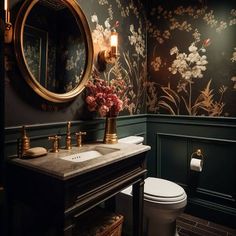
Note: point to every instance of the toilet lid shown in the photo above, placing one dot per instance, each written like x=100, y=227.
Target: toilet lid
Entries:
x=162, y=190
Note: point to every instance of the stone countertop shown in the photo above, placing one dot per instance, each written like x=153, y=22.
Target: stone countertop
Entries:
x=52, y=164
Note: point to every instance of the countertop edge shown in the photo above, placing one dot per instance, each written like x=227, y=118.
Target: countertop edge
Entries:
x=126, y=151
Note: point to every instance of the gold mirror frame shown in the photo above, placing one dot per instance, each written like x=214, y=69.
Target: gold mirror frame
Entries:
x=19, y=51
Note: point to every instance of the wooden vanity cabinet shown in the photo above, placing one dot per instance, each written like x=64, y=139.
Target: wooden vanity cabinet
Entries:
x=41, y=204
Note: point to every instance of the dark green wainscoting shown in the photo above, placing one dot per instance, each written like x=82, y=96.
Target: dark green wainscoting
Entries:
x=212, y=192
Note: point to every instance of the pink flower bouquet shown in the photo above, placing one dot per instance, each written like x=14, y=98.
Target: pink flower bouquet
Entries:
x=102, y=97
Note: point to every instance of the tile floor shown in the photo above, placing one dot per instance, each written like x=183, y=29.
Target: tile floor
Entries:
x=188, y=225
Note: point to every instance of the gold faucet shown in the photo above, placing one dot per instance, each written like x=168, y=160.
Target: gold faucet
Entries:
x=79, y=138
x=68, y=137
x=55, y=143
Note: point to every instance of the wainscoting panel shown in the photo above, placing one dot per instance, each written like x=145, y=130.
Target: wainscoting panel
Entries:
x=211, y=192
x=172, y=162
x=218, y=179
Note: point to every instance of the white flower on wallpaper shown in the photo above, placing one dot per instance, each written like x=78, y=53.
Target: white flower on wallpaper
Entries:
x=233, y=21
x=182, y=26
x=210, y=19
x=94, y=18
x=233, y=58
x=126, y=10
x=70, y=63
x=136, y=39
x=110, y=12
x=31, y=52
x=233, y=12
x=101, y=34
x=220, y=25
x=196, y=36
x=234, y=80
x=103, y=2
x=189, y=65
x=180, y=10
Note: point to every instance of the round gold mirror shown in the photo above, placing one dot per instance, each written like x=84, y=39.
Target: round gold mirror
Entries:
x=54, y=49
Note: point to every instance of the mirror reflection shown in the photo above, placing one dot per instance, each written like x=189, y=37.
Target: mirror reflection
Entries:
x=54, y=47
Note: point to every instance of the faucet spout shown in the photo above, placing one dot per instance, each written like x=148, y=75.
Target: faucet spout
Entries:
x=68, y=136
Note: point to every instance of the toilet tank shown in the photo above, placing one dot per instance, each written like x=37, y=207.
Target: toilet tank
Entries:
x=132, y=139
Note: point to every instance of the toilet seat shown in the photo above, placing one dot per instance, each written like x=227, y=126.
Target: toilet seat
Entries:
x=160, y=191
x=163, y=191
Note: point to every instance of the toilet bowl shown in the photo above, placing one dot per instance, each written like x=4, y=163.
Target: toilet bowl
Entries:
x=164, y=201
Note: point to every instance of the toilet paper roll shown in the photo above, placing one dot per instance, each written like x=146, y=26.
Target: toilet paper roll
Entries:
x=196, y=164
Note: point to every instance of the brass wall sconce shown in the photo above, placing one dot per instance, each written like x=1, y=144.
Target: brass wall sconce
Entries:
x=109, y=56
x=8, y=26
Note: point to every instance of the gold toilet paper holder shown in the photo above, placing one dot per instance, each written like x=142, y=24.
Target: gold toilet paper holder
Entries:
x=198, y=154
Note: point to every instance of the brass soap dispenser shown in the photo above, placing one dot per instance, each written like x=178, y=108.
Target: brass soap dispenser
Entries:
x=25, y=141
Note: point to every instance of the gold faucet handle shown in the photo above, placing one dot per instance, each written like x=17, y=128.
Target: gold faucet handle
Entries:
x=55, y=143
x=79, y=138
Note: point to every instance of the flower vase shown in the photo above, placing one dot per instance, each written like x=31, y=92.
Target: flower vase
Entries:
x=110, y=136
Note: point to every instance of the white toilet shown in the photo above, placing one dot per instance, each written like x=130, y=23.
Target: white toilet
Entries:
x=164, y=201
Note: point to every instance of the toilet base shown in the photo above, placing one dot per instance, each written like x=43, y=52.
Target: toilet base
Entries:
x=167, y=222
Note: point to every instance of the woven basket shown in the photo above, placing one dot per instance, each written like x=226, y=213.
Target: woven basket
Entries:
x=99, y=222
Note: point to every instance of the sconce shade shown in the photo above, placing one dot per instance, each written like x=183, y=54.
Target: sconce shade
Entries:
x=5, y=5
x=7, y=12
x=114, y=43
x=109, y=56
x=114, y=39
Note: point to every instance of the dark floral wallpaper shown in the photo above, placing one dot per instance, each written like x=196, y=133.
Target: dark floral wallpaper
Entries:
x=190, y=68
x=129, y=70
x=192, y=58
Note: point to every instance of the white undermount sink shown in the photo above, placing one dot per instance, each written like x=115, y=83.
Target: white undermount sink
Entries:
x=89, y=154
